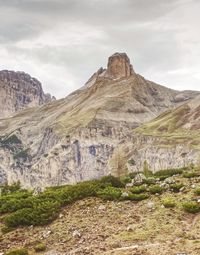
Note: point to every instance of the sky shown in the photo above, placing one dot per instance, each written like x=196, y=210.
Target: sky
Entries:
x=63, y=42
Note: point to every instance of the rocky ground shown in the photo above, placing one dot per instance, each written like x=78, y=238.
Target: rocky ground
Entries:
x=93, y=226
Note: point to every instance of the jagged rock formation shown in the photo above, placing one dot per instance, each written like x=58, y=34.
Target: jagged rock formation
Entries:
x=89, y=133
x=119, y=66
x=19, y=90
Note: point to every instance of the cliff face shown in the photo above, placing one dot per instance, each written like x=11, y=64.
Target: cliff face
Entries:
x=19, y=90
x=90, y=133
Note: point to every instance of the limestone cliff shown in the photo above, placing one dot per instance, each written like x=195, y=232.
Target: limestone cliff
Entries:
x=19, y=90
x=89, y=133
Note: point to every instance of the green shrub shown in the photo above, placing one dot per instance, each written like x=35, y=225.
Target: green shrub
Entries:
x=168, y=172
x=190, y=174
x=197, y=191
x=40, y=247
x=21, y=251
x=126, y=179
x=14, y=196
x=191, y=207
x=138, y=189
x=163, y=177
x=110, y=193
x=112, y=181
x=149, y=181
x=132, y=175
x=155, y=189
x=14, y=204
x=137, y=197
x=169, y=202
x=176, y=187
x=41, y=214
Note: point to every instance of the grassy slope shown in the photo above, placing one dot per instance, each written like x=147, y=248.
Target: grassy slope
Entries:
x=171, y=126
x=119, y=228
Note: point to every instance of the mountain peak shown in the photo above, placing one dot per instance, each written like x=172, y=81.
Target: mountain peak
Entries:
x=119, y=66
x=18, y=90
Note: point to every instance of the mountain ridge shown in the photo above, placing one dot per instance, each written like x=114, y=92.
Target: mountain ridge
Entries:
x=80, y=137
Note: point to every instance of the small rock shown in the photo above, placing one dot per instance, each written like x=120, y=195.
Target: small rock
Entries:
x=169, y=180
x=124, y=194
x=102, y=208
x=129, y=185
x=46, y=234
x=193, y=186
x=151, y=205
x=61, y=215
x=139, y=178
x=76, y=233
x=129, y=228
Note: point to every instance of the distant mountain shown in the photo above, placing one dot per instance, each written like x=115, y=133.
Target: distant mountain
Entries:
x=19, y=90
x=88, y=134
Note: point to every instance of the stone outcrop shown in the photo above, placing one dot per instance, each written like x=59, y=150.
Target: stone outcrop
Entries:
x=119, y=66
x=18, y=91
x=89, y=134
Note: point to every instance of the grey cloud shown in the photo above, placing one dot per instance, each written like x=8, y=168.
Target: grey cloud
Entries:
x=159, y=36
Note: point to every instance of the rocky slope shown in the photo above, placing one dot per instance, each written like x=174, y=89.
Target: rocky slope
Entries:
x=86, y=135
x=170, y=140
x=19, y=90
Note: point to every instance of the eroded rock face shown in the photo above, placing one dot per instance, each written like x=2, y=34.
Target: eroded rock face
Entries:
x=19, y=90
x=119, y=66
x=89, y=134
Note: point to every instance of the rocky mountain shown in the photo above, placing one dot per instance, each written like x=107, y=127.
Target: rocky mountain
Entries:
x=169, y=141
x=19, y=90
x=88, y=134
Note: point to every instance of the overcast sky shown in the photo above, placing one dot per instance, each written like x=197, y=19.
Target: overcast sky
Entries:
x=63, y=42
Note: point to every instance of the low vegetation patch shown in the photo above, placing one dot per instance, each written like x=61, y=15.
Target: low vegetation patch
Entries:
x=176, y=187
x=21, y=251
x=137, y=197
x=156, y=189
x=169, y=172
x=191, y=207
x=138, y=189
x=197, y=191
x=110, y=193
x=168, y=202
x=191, y=174
x=112, y=181
x=40, y=247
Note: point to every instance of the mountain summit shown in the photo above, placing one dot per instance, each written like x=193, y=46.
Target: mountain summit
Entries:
x=119, y=66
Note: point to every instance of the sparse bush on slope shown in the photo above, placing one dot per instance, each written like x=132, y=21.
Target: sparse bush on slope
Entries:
x=191, y=207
